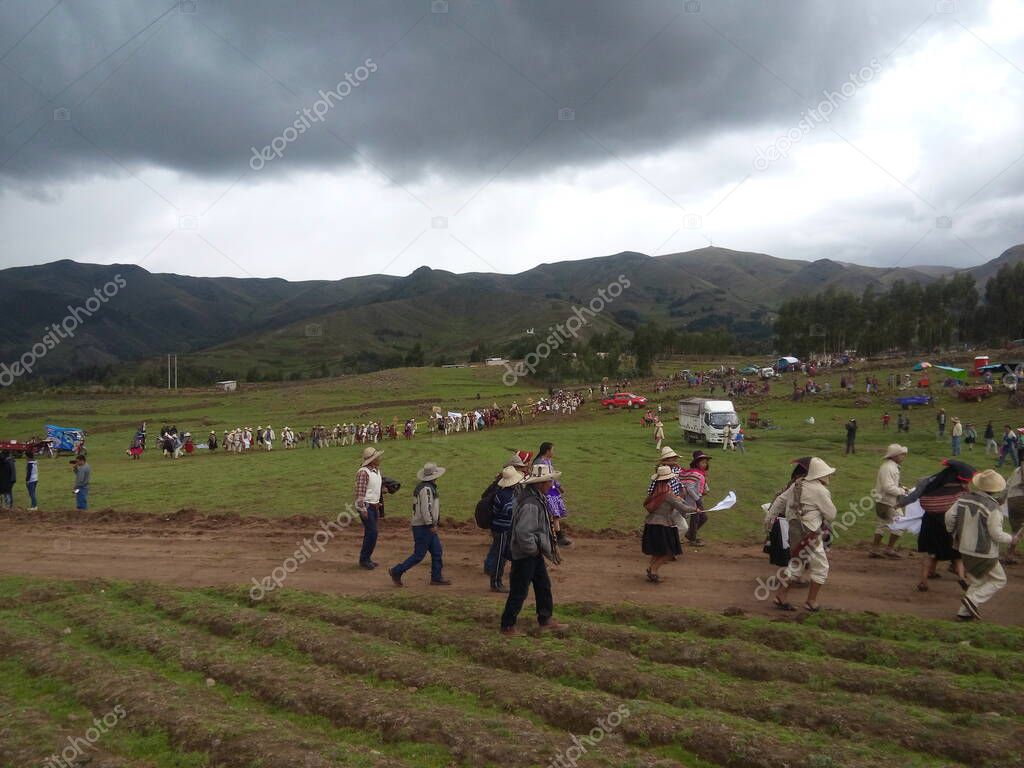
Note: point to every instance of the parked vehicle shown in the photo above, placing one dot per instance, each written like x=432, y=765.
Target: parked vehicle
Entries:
x=768, y=373
x=701, y=419
x=909, y=400
x=977, y=392
x=624, y=400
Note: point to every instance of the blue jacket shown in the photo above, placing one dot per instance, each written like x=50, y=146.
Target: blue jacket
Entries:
x=502, y=507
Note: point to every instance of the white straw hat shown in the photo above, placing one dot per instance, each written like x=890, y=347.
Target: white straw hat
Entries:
x=510, y=476
x=818, y=469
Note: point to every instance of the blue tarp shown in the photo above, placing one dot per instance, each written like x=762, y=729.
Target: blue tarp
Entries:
x=64, y=438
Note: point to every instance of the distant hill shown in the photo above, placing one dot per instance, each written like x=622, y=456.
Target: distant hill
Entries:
x=232, y=325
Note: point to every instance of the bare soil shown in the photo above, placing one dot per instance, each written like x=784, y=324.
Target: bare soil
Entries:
x=190, y=549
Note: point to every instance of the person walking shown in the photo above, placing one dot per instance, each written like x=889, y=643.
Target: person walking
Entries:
x=776, y=526
x=532, y=544
x=976, y=523
x=665, y=519
x=809, y=511
x=738, y=441
x=7, y=480
x=502, y=506
x=956, y=436
x=851, y=436
x=991, y=446
x=1010, y=447
x=555, y=494
x=659, y=434
x=970, y=437
x=1015, y=510
x=426, y=516
x=694, y=483
x=886, y=418
x=31, y=480
x=937, y=494
x=940, y=422
x=727, y=437
x=368, y=494
x=887, y=493
x=83, y=476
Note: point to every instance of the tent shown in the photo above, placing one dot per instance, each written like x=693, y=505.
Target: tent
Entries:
x=956, y=373
x=786, y=362
x=64, y=438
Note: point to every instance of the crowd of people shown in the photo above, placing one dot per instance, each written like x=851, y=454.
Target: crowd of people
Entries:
x=522, y=507
x=959, y=521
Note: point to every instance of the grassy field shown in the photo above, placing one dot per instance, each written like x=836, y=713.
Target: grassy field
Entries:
x=204, y=678
x=606, y=456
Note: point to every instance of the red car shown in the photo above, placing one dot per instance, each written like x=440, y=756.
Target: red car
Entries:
x=624, y=400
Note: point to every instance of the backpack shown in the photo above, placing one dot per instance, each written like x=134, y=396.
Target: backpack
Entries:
x=484, y=510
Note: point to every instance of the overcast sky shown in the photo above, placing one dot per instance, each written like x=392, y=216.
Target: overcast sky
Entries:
x=492, y=136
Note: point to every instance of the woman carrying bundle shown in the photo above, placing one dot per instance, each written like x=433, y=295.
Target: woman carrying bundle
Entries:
x=665, y=520
x=937, y=494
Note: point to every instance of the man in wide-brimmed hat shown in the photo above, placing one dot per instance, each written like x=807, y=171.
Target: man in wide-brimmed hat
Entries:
x=956, y=436
x=976, y=522
x=426, y=516
x=659, y=434
x=808, y=512
x=369, y=492
x=532, y=543
x=694, y=483
x=886, y=493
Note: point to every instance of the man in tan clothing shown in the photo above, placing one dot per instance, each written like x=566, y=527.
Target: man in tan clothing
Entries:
x=976, y=522
x=809, y=507
x=886, y=493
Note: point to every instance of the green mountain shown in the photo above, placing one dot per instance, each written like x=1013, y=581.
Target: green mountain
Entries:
x=228, y=327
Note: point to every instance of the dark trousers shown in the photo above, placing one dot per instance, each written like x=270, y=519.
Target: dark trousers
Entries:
x=524, y=572
x=850, y=447
x=494, y=563
x=369, y=533
x=424, y=540
x=696, y=521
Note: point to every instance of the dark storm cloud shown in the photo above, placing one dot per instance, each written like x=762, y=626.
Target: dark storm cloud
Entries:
x=466, y=92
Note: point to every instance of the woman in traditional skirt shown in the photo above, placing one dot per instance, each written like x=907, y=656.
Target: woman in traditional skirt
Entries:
x=665, y=520
x=1015, y=510
x=776, y=544
x=937, y=494
x=556, y=504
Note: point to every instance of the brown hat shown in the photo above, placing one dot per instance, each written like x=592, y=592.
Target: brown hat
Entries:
x=697, y=456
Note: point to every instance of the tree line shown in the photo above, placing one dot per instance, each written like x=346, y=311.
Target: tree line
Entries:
x=907, y=317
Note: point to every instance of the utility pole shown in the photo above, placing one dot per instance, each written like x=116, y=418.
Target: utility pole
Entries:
x=168, y=371
x=175, y=371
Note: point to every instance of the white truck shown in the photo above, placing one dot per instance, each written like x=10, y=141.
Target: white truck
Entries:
x=705, y=420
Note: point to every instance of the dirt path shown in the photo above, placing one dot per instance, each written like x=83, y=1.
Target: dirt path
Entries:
x=189, y=549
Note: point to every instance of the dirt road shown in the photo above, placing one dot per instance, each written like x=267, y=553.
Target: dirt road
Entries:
x=190, y=549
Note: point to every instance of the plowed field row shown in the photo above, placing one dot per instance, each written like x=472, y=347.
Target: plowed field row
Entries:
x=209, y=678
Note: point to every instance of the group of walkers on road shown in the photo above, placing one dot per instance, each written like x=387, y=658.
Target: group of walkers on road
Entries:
x=524, y=507
x=961, y=522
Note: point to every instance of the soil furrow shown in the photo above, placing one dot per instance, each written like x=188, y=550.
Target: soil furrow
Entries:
x=745, y=660
x=196, y=720
x=614, y=672
x=397, y=714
